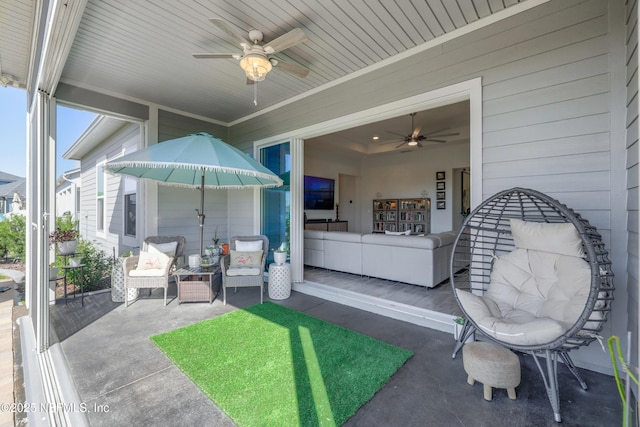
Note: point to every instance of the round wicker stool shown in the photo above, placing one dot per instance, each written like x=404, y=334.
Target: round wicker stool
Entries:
x=493, y=366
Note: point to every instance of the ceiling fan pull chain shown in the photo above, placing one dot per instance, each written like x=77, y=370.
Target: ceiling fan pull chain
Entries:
x=255, y=94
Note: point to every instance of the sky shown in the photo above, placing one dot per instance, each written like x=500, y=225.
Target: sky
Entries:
x=13, y=134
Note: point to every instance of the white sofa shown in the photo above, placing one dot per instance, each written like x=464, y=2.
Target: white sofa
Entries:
x=418, y=260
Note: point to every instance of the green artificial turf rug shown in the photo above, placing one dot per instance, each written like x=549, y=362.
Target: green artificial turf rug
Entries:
x=268, y=365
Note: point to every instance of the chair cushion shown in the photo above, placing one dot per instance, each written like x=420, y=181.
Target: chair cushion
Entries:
x=560, y=238
x=168, y=248
x=152, y=272
x=244, y=271
x=533, y=297
x=152, y=260
x=248, y=245
x=245, y=259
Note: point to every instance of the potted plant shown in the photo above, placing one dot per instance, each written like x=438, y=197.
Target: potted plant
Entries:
x=280, y=254
x=66, y=241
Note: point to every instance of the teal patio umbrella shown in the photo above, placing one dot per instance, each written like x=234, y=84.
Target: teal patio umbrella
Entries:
x=196, y=161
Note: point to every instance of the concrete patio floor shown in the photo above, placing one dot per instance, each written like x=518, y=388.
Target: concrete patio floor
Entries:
x=126, y=380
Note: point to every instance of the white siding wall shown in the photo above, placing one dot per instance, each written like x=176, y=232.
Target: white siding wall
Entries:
x=548, y=78
x=177, y=205
x=632, y=174
x=112, y=147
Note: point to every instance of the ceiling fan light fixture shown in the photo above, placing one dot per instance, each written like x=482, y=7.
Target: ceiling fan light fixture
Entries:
x=255, y=66
x=412, y=143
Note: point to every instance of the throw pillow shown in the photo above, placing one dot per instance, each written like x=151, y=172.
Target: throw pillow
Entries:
x=245, y=259
x=398, y=233
x=249, y=245
x=168, y=248
x=152, y=260
x=560, y=238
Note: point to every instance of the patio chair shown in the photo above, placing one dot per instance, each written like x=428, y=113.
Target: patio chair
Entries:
x=152, y=267
x=534, y=276
x=244, y=265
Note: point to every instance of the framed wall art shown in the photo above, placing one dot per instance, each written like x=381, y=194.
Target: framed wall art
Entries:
x=440, y=185
x=440, y=176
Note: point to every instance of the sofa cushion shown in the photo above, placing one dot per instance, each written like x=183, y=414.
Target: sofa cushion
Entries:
x=424, y=242
x=313, y=234
x=343, y=236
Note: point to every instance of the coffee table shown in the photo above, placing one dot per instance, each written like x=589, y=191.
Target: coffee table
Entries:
x=196, y=284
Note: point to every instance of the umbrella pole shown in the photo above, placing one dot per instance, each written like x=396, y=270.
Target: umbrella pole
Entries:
x=201, y=214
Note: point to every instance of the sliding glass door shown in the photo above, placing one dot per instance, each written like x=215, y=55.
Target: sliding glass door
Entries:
x=276, y=202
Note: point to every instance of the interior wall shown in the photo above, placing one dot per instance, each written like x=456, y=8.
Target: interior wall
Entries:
x=400, y=174
x=325, y=163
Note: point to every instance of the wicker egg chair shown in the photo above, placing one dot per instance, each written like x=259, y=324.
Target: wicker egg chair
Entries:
x=485, y=238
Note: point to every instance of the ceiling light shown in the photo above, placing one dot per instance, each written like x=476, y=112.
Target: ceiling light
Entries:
x=256, y=66
x=5, y=79
x=375, y=138
x=412, y=143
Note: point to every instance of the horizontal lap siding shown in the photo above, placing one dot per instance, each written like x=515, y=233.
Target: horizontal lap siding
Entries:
x=111, y=148
x=632, y=177
x=178, y=205
x=178, y=217
x=172, y=125
x=546, y=117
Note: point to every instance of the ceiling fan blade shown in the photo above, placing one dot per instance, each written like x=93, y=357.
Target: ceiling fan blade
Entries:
x=397, y=134
x=434, y=135
x=398, y=146
x=225, y=27
x=441, y=141
x=295, y=69
x=217, y=55
x=285, y=41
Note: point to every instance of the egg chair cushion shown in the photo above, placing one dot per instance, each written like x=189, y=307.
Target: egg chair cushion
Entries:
x=533, y=297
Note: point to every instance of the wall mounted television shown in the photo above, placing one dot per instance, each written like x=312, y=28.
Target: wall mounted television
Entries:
x=318, y=193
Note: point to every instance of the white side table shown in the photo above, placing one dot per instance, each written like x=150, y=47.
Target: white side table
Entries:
x=279, y=281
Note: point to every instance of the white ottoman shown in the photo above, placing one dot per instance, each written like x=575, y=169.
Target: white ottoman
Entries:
x=279, y=281
x=493, y=366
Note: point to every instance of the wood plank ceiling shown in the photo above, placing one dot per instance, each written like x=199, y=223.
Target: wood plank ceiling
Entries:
x=143, y=49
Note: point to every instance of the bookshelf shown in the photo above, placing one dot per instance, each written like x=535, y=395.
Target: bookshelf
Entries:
x=413, y=214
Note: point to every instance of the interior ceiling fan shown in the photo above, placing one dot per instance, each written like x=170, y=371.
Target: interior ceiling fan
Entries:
x=415, y=139
x=255, y=59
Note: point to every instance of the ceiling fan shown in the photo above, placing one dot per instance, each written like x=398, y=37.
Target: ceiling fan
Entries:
x=415, y=139
x=255, y=59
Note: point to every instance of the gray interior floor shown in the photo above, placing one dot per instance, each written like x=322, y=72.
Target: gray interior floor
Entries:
x=439, y=298
x=115, y=365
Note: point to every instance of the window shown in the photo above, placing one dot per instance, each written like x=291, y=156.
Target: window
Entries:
x=100, y=192
x=129, y=207
x=276, y=201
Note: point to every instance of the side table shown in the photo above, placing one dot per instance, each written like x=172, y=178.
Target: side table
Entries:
x=279, y=281
x=197, y=284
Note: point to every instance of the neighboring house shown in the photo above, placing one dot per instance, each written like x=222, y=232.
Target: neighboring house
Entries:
x=107, y=204
x=68, y=193
x=553, y=97
x=10, y=187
